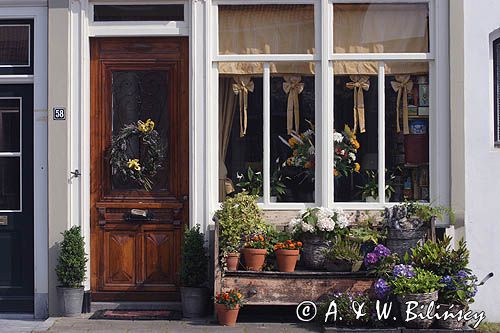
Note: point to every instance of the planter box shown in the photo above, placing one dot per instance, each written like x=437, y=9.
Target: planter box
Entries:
x=361, y=330
x=436, y=330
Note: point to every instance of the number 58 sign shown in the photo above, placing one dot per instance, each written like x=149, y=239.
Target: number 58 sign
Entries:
x=59, y=113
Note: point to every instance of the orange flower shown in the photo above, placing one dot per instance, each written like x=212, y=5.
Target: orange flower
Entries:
x=255, y=238
x=261, y=237
x=299, y=244
x=355, y=143
x=239, y=295
x=308, y=165
x=357, y=167
x=292, y=246
x=292, y=142
x=336, y=173
x=288, y=241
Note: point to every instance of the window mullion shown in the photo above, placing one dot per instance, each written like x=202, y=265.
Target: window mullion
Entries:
x=267, y=134
x=381, y=132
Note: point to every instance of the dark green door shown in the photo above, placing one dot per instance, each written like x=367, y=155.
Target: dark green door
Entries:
x=16, y=198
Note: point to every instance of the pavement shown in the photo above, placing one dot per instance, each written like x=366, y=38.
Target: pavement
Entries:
x=84, y=324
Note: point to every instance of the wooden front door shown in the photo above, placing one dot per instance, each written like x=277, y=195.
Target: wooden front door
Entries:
x=136, y=79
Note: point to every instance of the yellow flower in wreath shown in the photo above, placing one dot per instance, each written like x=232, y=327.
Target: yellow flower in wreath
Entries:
x=357, y=167
x=355, y=143
x=134, y=164
x=146, y=127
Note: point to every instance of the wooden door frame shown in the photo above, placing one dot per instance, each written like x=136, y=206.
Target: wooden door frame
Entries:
x=155, y=52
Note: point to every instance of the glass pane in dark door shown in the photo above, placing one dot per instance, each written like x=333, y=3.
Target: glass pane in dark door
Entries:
x=141, y=95
x=10, y=190
x=10, y=125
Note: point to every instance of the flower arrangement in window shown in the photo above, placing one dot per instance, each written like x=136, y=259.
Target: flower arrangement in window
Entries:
x=346, y=147
x=303, y=151
x=139, y=170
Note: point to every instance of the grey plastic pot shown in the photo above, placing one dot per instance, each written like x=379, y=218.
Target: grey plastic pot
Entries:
x=71, y=301
x=194, y=302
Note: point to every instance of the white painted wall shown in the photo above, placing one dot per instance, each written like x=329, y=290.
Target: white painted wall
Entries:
x=482, y=161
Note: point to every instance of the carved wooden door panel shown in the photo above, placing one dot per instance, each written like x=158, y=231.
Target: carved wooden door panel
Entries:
x=135, y=79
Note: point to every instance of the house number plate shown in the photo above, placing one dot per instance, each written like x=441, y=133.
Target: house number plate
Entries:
x=4, y=220
x=59, y=113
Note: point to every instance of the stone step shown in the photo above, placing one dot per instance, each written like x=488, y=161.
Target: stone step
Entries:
x=95, y=306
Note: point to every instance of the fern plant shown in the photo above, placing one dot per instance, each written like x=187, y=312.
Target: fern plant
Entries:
x=344, y=250
x=194, y=271
x=71, y=268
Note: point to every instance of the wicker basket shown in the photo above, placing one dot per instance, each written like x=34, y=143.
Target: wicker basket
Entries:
x=450, y=323
x=423, y=308
x=313, y=252
x=402, y=241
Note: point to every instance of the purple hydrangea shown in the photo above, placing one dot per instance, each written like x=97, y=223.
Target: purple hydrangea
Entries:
x=371, y=259
x=472, y=292
x=381, y=289
x=403, y=270
x=382, y=251
x=462, y=274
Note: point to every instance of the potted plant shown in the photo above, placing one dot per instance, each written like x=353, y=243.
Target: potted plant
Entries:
x=70, y=272
x=412, y=284
x=194, y=274
x=251, y=183
x=346, y=319
x=255, y=250
x=459, y=285
x=369, y=191
x=315, y=227
x=238, y=215
x=407, y=224
x=287, y=254
x=227, y=306
x=278, y=187
x=343, y=255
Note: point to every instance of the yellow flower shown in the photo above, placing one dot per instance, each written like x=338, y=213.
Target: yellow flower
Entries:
x=145, y=127
x=355, y=143
x=336, y=173
x=292, y=142
x=357, y=167
x=134, y=164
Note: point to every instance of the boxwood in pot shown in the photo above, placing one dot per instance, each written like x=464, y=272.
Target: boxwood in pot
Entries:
x=70, y=272
x=194, y=274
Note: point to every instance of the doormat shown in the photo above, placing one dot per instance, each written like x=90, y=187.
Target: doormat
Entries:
x=137, y=315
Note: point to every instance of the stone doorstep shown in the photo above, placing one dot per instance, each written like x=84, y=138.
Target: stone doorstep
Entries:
x=95, y=306
x=394, y=330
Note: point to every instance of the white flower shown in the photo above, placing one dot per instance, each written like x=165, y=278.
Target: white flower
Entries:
x=337, y=137
x=325, y=223
x=342, y=152
x=352, y=156
x=294, y=223
x=306, y=227
x=308, y=132
x=311, y=150
x=239, y=176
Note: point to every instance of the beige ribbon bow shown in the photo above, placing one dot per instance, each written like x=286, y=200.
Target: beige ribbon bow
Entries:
x=241, y=87
x=402, y=86
x=293, y=87
x=358, y=84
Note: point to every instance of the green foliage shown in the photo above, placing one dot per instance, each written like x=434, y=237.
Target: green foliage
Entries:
x=370, y=187
x=385, y=266
x=427, y=211
x=72, y=258
x=344, y=250
x=252, y=182
x=194, y=270
x=345, y=311
x=365, y=233
x=423, y=282
x=439, y=258
x=238, y=216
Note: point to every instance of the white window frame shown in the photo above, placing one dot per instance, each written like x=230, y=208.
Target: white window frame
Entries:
x=439, y=129
x=15, y=155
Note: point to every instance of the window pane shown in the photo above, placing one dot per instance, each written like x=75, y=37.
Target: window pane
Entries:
x=141, y=95
x=496, y=61
x=240, y=129
x=14, y=44
x=10, y=191
x=407, y=131
x=292, y=133
x=380, y=28
x=10, y=135
x=139, y=12
x=356, y=132
x=256, y=29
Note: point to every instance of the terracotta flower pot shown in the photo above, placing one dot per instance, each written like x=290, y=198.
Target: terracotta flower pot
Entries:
x=227, y=316
x=232, y=260
x=254, y=258
x=287, y=259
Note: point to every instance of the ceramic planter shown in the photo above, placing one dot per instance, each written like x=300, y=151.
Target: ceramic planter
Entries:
x=232, y=261
x=254, y=258
x=71, y=301
x=227, y=316
x=424, y=309
x=194, y=302
x=450, y=323
x=287, y=259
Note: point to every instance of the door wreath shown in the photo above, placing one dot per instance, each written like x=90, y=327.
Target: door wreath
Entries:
x=138, y=169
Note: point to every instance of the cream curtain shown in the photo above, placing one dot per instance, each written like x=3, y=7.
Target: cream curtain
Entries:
x=227, y=107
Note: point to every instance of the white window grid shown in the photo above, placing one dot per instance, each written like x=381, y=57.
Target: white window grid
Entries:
x=324, y=59
x=29, y=46
x=18, y=154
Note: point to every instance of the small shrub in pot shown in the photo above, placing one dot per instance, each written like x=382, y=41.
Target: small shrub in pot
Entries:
x=343, y=255
x=194, y=274
x=70, y=272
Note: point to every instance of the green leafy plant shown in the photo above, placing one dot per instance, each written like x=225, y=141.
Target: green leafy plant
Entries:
x=252, y=182
x=238, y=216
x=194, y=270
x=344, y=250
x=427, y=211
x=439, y=257
x=458, y=289
x=278, y=188
x=344, y=302
x=370, y=188
x=421, y=282
x=366, y=233
x=71, y=268
x=230, y=299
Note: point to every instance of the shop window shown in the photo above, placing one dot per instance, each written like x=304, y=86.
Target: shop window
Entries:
x=117, y=13
x=16, y=42
x=496, y=68
x=381, y=28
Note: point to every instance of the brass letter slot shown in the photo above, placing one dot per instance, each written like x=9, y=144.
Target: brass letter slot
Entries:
x=4, y=220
